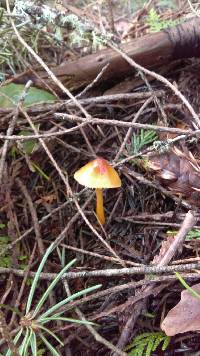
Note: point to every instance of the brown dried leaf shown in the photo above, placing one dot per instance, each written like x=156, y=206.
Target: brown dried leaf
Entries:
x=179, y=172
x=46, y=199
x=185, y=316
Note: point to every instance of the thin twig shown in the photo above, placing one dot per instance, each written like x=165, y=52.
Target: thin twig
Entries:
x=23, y=284
x=162, y=261
x=47, y=136
x=156, y=185
x=129, y=132
x=128, y=286
x=69, y=190
x=91, y=329
x=187, y=225
x=94, y=254
x=124, y=124
x=34, y=217
x=89, y=86
x=161, y=79
x=113, y=272
x=46, y=68
x=51, y=74
x=45, y=107
x=41, y=221
x=5, y=332
x=111, y=16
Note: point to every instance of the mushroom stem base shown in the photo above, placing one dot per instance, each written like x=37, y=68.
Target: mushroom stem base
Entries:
x=99, y=206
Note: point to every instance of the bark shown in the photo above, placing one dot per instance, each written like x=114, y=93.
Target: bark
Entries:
x=182, y=41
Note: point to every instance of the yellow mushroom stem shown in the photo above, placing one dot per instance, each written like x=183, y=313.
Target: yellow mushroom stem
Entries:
x=99, y=206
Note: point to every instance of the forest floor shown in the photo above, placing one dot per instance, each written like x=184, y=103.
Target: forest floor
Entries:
x=147, y=132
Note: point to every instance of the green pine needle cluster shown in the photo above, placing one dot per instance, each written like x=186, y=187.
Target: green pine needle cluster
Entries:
x=146, y=343
x=33, y=330
x=143, y=138
x=156, y=24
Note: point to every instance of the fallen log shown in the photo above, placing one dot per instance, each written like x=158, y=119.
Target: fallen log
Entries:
x=152, y=51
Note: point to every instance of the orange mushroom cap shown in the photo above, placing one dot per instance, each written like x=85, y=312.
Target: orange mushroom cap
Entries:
x=98, y=174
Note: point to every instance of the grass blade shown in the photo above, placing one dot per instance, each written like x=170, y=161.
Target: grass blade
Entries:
x=183, y=282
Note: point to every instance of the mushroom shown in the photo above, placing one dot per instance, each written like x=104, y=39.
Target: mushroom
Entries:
x=98, y=174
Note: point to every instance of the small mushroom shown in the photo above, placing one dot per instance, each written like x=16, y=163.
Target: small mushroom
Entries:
x=98, y=174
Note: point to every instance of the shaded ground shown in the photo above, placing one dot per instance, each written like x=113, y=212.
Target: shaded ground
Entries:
x=37, y=206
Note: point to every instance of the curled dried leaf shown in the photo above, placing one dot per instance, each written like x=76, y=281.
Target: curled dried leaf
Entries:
x=179, y=172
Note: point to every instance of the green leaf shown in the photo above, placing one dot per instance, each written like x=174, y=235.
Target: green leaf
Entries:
x=39, y=170
x=6, y=262
x=5, y=259
x=150, y=346
x=146, y=343
x=149, y=315
x=166, y=342
x=193, y=234
x=157, y=341
x=22, y=257
x=137, y=340
x=4, y=240
x=11, y=93
x=28, y=145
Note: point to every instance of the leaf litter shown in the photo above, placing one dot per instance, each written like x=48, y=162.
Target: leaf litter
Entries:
x=150, y=213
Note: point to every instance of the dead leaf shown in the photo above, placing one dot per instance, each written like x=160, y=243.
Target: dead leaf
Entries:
x=179, y=172
x=185, y=316
x=46, y=199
